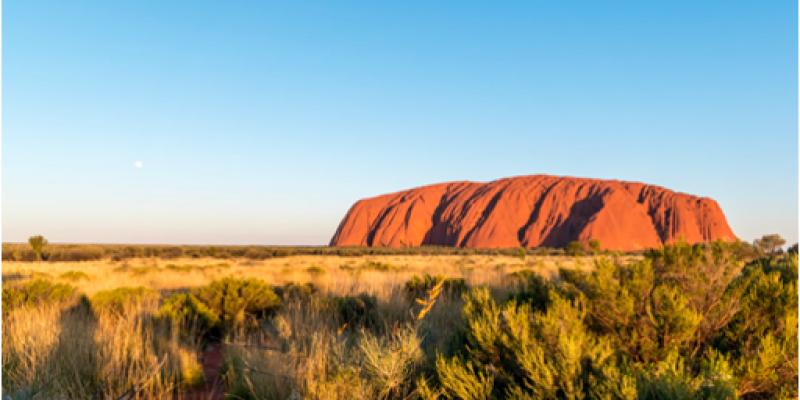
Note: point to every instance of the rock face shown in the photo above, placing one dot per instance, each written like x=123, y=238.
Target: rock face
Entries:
x=533, y=211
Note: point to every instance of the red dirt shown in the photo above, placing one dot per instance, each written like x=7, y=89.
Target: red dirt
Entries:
x=533, y=211
x=213, y=389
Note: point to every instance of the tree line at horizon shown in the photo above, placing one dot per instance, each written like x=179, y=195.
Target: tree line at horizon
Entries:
x=39, y=249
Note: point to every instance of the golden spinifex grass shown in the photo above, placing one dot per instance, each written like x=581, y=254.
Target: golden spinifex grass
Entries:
x=685, y=321
x=336, y=274
x=110, y=344
x=70, y=351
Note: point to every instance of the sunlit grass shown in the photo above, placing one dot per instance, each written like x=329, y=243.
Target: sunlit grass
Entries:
x=108, y=341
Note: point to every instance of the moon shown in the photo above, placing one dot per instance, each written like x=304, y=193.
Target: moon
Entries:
x=138, y=164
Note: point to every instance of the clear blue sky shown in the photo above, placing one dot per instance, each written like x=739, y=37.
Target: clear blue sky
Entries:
x=258, y=122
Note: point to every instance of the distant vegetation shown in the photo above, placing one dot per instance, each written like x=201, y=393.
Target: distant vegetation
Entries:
x=39, y=249
x=714, y=321
x=91, y=252
x=37, y=244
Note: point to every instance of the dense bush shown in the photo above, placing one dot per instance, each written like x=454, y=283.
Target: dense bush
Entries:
x=355, y=312
x=238, y=303
x=226, y=306
x=529, y=287
x=686, y=322
x=189, y=315
x=36, y=293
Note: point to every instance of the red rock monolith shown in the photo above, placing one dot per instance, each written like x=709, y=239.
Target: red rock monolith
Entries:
x=533, y=211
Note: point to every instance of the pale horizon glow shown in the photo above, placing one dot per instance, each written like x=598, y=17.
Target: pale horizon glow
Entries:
x=262, y=122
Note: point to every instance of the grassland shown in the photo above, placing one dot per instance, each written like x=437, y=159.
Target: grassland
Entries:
x=341, y=275
x=688, y=322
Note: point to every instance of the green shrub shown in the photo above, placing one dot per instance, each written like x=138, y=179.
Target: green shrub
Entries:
x=180, y=267
x=418, y=287
x=671, y=379
x=296, y=292
x=531, y=288
x=462, y=380
x=74, y=276
x=356, y=311
x=315, y=270
x=40, y=275
x=377, y=266
x=536, y=354
x=36, y=293
x=121, y=299
x=575, y=248
x=144, y=270
x=188, y=314
x=686, y=322
x=239, y=303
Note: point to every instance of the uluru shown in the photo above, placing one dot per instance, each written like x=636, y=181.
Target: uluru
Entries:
x=533, y=211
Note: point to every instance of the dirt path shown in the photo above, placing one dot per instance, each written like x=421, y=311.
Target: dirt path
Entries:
x=213, y=389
